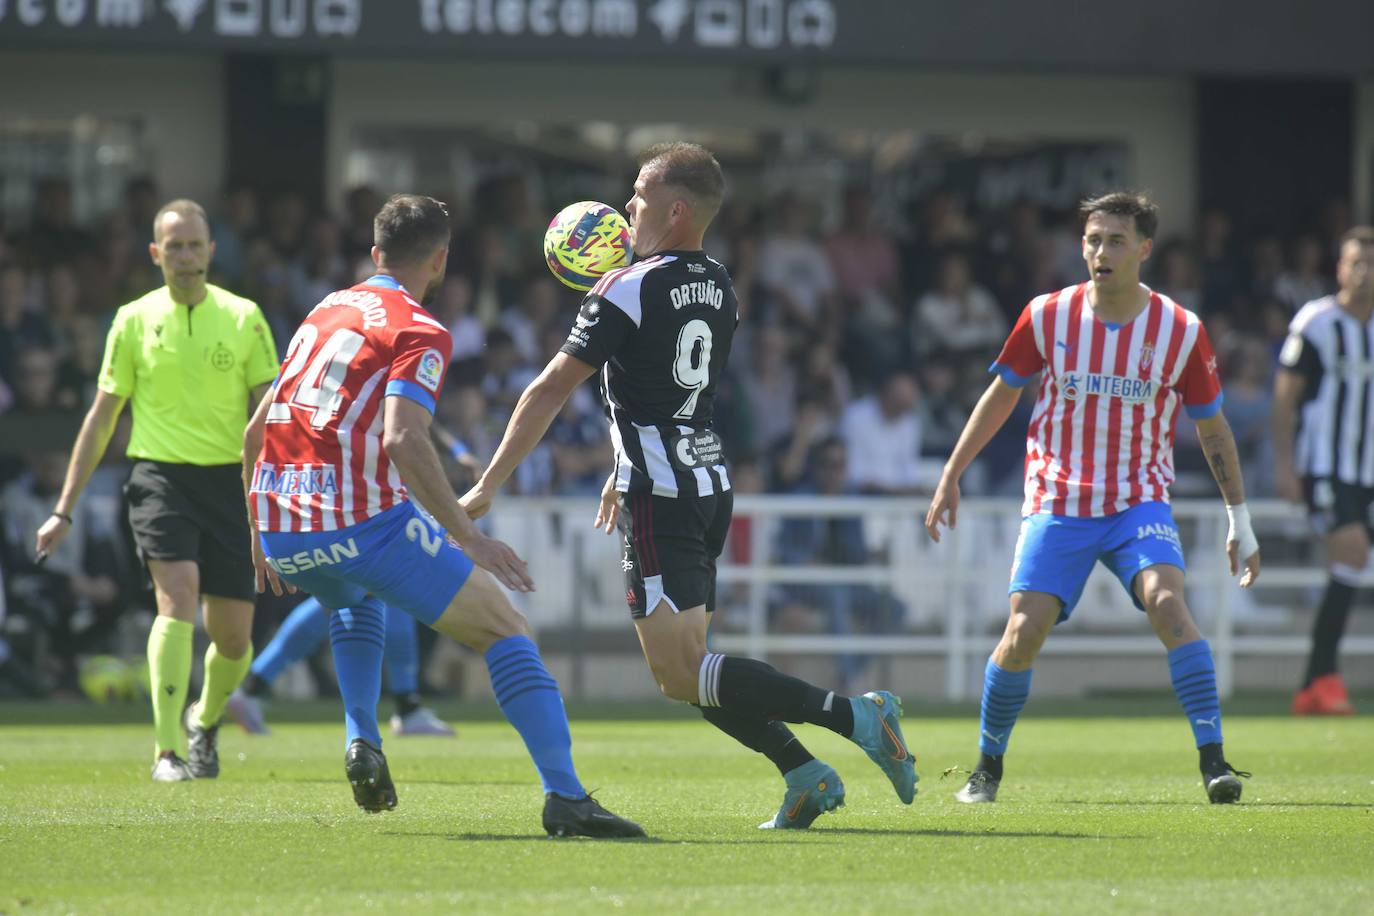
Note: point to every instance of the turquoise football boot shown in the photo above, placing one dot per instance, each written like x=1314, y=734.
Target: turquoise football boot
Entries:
x=878, y=732
x=812, y=789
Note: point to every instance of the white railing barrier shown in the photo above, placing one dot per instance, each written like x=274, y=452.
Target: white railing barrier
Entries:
x=954, y=592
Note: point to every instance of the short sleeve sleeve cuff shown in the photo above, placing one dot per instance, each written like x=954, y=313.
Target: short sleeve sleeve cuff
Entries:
x=1205, y=411
x=410, y=390
x=1009, y=375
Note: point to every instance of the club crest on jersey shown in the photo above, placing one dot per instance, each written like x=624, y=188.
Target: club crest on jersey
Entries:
x=430, y=369
x=1147, y=357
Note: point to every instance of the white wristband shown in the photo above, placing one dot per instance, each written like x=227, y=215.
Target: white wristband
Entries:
x=1241, y=532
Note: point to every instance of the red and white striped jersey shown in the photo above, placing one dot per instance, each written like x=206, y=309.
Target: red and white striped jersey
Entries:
x=322, y=466
x=1101, y=435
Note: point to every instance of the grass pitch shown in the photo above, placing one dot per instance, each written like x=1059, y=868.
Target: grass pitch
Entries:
x=1098, y=813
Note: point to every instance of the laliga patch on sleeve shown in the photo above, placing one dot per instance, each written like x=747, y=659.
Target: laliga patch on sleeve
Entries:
x=430, y=370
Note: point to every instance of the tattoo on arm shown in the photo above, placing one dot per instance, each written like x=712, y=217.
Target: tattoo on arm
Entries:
x=1219, y=447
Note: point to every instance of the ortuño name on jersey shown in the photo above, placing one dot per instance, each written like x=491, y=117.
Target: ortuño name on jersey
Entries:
x=702, y=292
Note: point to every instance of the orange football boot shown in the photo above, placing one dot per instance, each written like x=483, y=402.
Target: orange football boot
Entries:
x=1325, y=696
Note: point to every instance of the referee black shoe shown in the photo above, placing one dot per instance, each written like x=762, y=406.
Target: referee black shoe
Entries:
x=585, y=817
x=1223, y=782
x=202, y=744
x=367, y=773
x=981, y=789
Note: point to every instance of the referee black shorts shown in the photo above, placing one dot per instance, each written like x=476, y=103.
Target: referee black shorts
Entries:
x=669, y=549
x=194, y=512
x=1333, y=504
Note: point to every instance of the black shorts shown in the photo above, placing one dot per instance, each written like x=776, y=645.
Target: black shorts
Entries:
x=191, y=512
x=670, y=548
x=1333, y=504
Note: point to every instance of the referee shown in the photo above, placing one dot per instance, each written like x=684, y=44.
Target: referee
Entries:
x=1324, y=431
x=192, y=358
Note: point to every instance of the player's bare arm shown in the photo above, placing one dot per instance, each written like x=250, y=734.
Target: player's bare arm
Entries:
x=264, y=575
x=1219, y=448
x=1289, y=387
x=406, y=439
x=993, y=409
x=537, y=407
x=91, y=442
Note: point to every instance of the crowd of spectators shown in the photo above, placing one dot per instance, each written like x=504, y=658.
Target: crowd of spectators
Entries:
x=860, y=342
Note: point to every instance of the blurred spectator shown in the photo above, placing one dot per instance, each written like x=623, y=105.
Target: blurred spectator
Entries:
x=864, y=261
x=53, y=235
x=942, y=411
x=287, y=214
x=1307, y=276
x=1222, y=272
x=320, y=268
x=770, y=384
x=38, y=385
x=21, y=328
x=141, y=203
x=793, y=266
x=70, y=600
x=453, y=306
x=882, y=435
x=1266, y=266
x=506, y=373
x=539, y=303
x=232, y=232
x=843, y=609
x=361, y=204
x=1179, y=275
x=958, y=315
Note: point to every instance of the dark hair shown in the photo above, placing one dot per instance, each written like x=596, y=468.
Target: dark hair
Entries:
x=690, y=167
x=183, y=208
x=1123, y=203
x=410, y=227
x=1362, y=234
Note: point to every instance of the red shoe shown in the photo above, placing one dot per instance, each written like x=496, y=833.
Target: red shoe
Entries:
x=1325, y=696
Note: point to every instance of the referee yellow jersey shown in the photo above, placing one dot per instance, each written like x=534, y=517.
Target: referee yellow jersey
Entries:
x=188, y=373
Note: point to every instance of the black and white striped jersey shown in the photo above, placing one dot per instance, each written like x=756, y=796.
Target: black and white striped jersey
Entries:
x=1334, y=353
x=660, y=331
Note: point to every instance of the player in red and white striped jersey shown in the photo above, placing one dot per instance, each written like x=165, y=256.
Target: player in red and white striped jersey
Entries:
x=1101, y=437
x=1116, y=362
x=324, y=467
x=342, y=441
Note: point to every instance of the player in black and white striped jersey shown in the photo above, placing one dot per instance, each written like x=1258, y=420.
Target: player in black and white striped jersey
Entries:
x=659, y=333
x=1324, y=449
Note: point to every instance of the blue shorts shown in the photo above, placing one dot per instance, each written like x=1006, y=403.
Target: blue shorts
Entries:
x=1055, y=553
x=401, y=556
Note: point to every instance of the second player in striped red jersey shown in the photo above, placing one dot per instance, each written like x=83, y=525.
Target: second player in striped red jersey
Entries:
x=326, y=469
x=1117, y=361
x=1101, y=436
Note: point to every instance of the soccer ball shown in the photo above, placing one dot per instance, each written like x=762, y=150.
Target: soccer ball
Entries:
x=107, y=679
x=584, y=241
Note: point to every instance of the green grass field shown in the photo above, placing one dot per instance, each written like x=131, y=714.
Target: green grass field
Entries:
x=1098, y=814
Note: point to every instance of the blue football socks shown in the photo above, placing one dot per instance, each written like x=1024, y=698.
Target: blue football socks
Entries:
x=528, y=696
x=402, y=652
x=1004, y=693
x=299, y=635
x=1194, y=676
x=357, y=635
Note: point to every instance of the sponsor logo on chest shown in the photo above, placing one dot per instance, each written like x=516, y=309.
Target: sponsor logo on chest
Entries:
x=1075, y=385
x=305, y=482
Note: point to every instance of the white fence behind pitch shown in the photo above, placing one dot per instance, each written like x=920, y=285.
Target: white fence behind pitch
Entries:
x=954, y=593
